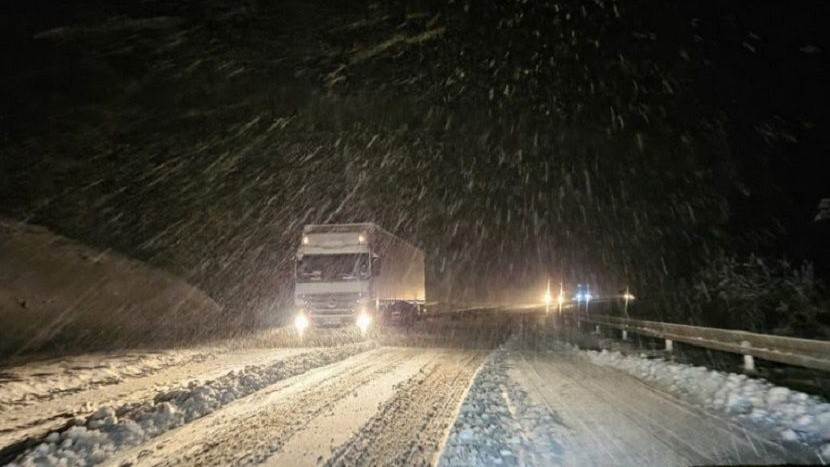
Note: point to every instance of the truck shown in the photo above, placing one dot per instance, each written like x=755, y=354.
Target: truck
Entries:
x=356, y=274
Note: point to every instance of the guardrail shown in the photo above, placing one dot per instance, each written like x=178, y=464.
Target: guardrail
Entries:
x=453, y=308
x=806, y=353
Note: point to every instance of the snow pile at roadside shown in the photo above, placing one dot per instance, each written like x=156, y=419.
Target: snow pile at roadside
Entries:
x=795, y=415
x=109, y=429
x=34, y=382
x=498, y=424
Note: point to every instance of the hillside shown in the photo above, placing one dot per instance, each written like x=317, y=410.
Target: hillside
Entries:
x=56, y=293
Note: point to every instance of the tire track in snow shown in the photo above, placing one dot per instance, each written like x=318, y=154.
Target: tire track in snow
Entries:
x=410, y=428
x=114, y=429
x=254, y=429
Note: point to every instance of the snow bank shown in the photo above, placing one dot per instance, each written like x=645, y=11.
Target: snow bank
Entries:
x=34, y=382
x=110, y=429
x=498, y=424
x=796, y=416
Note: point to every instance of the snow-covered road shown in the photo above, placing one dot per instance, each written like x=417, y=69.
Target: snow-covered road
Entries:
x=553, y=407
x=457, y=395
x=608, y=417
x=43, y=396
x=376, y=407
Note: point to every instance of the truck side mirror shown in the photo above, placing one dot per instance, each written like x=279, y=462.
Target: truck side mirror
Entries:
x=376, y=266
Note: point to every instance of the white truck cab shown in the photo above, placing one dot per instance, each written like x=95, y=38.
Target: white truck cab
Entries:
x=355, y=274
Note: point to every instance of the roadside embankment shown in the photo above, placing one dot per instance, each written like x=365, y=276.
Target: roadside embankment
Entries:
x=57, y=294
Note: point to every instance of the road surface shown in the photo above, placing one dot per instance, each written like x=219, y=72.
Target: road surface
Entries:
x=390, y=405
x=45, y=395
x=458, y=393
x=606, y=417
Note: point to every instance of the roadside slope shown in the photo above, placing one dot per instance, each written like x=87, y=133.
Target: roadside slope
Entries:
x=55, y=292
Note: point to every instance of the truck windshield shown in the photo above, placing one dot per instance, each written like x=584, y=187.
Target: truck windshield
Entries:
x=323, y=268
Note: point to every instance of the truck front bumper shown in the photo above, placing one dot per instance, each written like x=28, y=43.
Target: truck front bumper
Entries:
x=329, y=320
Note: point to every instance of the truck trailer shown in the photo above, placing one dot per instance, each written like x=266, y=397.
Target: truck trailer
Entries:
x=356, y=274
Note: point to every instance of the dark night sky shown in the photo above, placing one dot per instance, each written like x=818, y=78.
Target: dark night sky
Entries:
x=601, y=139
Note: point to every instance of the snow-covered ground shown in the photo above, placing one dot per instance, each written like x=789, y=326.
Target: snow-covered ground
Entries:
x=39, y=397
x=796, y=416
x=110, y=428
x=498, y=425
x=534, y=401
x=552, y=406
x=116, y=406
x=35, y=382
x=42, y=395
x=388, y=406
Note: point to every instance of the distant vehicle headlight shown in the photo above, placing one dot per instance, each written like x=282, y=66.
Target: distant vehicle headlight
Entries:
x=363, y=321
x=301, y=323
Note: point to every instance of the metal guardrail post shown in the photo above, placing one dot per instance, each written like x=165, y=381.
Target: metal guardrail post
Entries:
x=749, y=360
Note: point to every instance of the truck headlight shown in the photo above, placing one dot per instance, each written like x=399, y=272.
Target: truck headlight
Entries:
x=363, y=321
x=301, y=323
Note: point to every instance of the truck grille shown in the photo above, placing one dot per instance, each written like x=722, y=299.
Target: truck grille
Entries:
x=337, y=303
